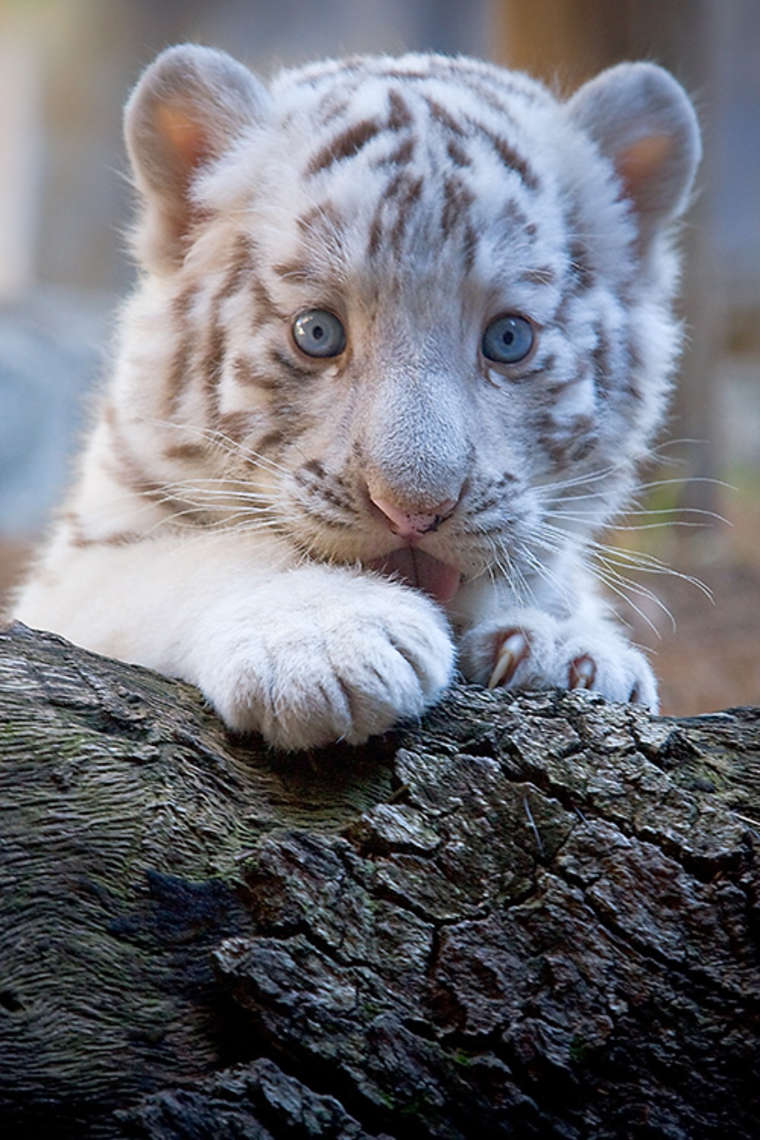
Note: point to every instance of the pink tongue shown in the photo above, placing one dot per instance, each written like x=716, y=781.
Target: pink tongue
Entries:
x=421, y=570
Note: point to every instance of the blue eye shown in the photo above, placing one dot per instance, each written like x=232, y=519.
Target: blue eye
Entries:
x=319, y=333
x=507, y=340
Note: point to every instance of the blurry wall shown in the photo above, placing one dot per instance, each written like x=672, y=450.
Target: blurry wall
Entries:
x=74, y=62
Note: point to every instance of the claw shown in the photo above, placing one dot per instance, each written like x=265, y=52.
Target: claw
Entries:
x=514, y=649
x=582, y=672
x=635, y=695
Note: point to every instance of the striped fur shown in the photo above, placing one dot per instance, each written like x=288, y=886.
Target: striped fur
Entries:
x=417, y=199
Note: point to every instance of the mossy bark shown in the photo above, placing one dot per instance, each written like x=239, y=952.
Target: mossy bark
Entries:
x=529, y=916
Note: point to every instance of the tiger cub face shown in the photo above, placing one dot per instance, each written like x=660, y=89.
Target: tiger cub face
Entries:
x=394, y=303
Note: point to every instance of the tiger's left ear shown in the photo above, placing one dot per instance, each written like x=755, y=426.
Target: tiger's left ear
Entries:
x=642, y=120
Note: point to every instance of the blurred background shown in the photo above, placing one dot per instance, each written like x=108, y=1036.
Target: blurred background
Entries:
x=66, y=67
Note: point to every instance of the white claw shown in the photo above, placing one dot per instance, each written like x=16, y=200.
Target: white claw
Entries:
x=514, y=649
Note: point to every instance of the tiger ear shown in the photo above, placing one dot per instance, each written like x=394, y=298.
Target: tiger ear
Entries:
x=187, y=109
x=643, y=121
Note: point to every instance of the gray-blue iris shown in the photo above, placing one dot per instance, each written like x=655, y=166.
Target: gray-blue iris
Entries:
x=319, y=333
x=507, y=339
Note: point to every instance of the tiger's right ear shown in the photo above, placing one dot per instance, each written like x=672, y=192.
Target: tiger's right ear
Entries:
x=187, y=109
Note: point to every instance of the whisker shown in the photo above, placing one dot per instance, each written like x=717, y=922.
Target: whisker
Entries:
x=230, y=446
x=613, y=559
x=624, y=596
x=583, y=480
x=609, y=573
x=686, y=479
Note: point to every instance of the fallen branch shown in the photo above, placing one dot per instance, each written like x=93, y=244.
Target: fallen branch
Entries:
x=532, y=916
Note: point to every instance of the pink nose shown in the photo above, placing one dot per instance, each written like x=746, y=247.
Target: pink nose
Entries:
x=411, y=526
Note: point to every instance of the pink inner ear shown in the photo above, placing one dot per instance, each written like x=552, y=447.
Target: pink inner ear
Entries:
x=185, y=136
x=638, y=163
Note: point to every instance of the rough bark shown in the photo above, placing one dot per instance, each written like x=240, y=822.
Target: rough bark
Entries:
x=532, y=917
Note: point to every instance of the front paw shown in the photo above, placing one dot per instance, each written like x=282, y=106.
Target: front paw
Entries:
x=528, y=649
x=345, y=666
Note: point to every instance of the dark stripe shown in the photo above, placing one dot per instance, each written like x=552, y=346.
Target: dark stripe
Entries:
x=268, y=442
x=325, y=215
x=400, y=116
x=509, y=156
x=176, y=381
x=550, y=362
x=248, y=375
x=457, y=155
x=632, y=368
x=240, y=266
x=191, y=452
x=561, y=442
x=127, y=470
x=395, y=185
x=408, y=196
x=332, y=106
x=457, y=199
x=213, y=361
x=235, y=425
x=324, y=520
x=442, y=116
x=122, y=538
x=583, y=449
x=487, y=85
x=375, y=231
x=490, y=99
x=212, y=366
x=314, y=467
x=312, y=477
x=470, y=247
x=580, y=257
x=282, y=361
x=583, y=271
x=293, y=271
x=345, y=145
x=601, y=359
x=544, y=275
x=401, y=155
x=513, y=215
x=264, y=308
x=397, y=73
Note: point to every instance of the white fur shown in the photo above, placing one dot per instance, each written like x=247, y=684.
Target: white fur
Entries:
x=248, y=575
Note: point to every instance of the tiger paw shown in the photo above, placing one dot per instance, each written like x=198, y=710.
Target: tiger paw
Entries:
x=341, y=664
x=528, y=649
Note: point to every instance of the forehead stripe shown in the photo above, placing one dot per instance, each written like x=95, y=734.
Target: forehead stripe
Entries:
x=509, y=156
x=400, y=116
x=344, y=145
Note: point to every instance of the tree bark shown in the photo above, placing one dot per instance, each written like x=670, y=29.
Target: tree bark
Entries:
x=530, y=916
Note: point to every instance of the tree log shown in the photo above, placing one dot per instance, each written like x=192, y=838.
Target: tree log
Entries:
x=529, y=916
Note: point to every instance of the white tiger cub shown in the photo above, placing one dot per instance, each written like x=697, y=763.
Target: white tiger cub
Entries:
x=402, y=334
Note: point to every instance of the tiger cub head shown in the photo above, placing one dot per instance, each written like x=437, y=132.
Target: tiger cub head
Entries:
x=403, y=303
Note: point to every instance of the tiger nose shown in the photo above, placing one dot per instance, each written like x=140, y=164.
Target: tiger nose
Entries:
x=411, y=525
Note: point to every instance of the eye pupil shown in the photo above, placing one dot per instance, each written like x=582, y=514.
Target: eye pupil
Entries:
x=508, y=339
x=319, y=333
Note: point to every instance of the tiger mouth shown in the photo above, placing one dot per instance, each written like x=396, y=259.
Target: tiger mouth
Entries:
x=416, y=568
